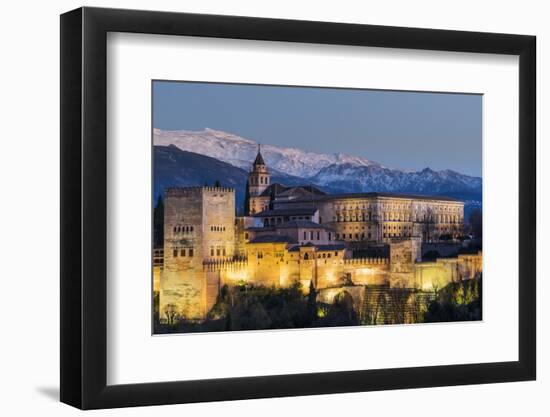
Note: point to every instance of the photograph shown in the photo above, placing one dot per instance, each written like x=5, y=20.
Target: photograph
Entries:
x=284, y=207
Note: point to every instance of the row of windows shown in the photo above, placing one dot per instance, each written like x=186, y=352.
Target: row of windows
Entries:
x=217, y=228
x=183, y=229
x=394, y=227
x=350, y=236
x=451, y=209
x=322, y=255
x=312, y=234
x=183, y=252
x=271, y=221
x=356, y=227
x=359, y=218
x=350, y=208
x=397, y=234
x=398, y=218
x=263, y=180
x=217, y=251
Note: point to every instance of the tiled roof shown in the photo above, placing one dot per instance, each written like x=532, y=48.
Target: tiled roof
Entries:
x=319, y=248
x=287, y=212
x=371, y=195
x=300, y=224
x=273, y=189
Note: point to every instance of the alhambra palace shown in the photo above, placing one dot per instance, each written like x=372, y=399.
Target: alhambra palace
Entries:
x=335, y=242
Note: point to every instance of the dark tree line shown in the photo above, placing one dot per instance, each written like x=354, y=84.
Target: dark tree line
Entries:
x=247, y=307
x=158, y=223
x=458, y=301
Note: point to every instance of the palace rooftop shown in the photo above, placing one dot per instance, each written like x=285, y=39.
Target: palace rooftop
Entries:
x=343, y=196
x=286, y=212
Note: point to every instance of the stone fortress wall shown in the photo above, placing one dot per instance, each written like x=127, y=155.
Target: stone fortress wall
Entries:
x=205, y=249
x=199, y=224
x=302, y=234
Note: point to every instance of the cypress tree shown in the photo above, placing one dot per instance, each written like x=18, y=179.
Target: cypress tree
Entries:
x=312, y=302
x=158, y=223
x=246, y=200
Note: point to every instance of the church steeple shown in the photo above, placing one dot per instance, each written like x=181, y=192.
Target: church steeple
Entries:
x=259, y=177
x=259, y=161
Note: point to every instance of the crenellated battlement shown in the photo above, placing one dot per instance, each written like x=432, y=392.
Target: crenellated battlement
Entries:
x=224, y=264
x=366, y=261
x=195, y=190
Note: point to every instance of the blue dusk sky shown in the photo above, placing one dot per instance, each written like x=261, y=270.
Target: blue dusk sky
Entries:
x=406, y=130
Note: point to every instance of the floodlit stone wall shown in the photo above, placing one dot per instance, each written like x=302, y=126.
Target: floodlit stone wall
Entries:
x=205, y=248
x=199, y=224
x=381, y=218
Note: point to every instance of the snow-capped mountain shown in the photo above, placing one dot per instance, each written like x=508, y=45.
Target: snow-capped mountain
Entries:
x=240, y=152
x=376, y=178
x=334, y=172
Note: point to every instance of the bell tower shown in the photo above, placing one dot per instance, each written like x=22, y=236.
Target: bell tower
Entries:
x=259, y=176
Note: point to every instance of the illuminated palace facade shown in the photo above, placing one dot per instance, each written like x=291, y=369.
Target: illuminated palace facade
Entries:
x=289, y=234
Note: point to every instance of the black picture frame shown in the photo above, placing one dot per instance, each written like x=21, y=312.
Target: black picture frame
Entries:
x=84, y=207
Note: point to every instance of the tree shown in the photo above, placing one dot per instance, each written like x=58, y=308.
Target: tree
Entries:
x=312, y=301
x=247, y=200
x=171, y=313
x=475, y=222
x=158, y=223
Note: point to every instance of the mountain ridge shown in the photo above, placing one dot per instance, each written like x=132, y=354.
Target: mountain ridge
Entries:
x=175, y=167
x=239, y=151
x=335, y=171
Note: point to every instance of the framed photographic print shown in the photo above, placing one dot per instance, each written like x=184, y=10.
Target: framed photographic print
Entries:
x=257, y=207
